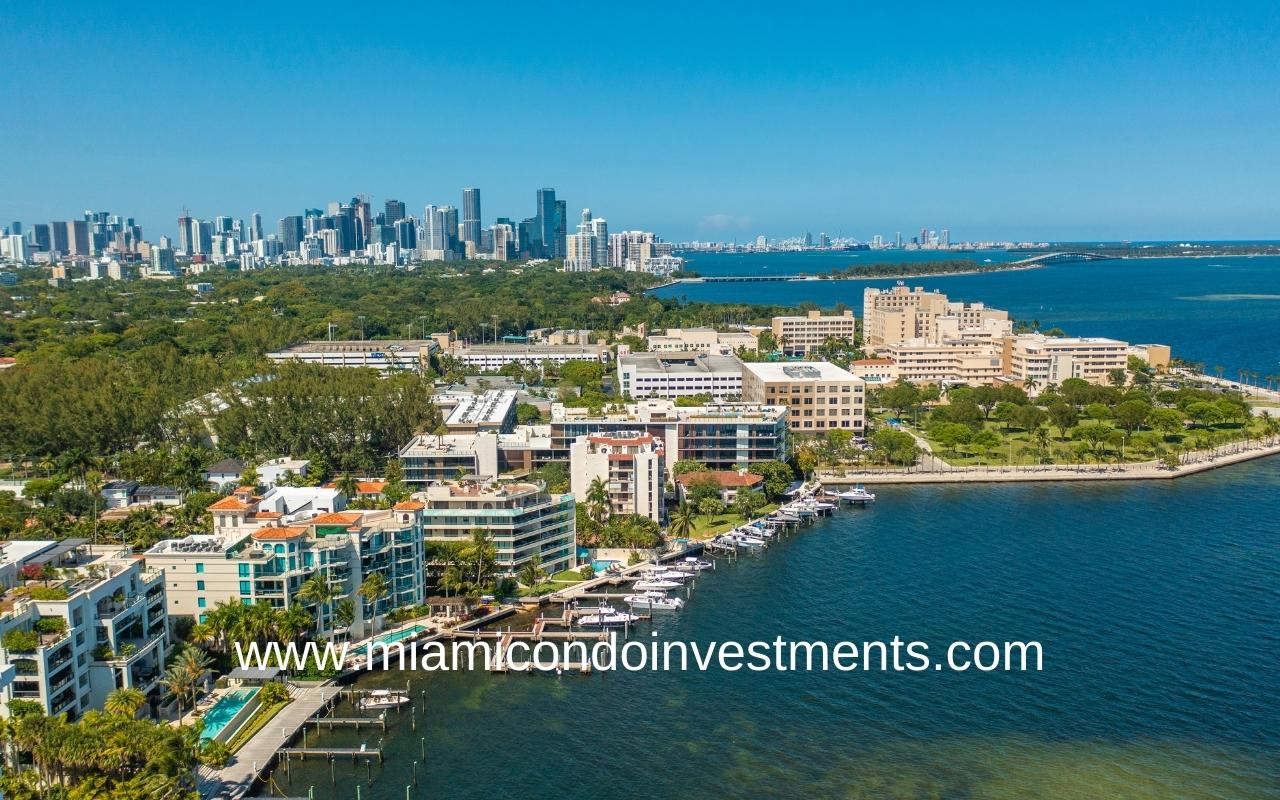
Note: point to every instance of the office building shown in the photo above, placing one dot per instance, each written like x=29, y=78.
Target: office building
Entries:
x=630, y=464
x=471, y=218
x=819, y=395
x=701, y=340
x=384, y=355
x=393, y=212
x=672, y=375
x=798, y=336
x=898, y=315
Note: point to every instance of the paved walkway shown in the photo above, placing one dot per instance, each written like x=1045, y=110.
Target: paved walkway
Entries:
x=237, y=778
x=1198, y=461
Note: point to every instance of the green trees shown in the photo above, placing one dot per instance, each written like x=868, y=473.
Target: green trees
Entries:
x=598, y=501
x=747, y=503
x=532, y=573
x=683, y=520
x=777, y=477
x=124, y=701
x=317, y=590
x=895, y=447
x=711, y=508
x=1064, y=417
x=687, y=465
x=900, y=397
x=373, y=590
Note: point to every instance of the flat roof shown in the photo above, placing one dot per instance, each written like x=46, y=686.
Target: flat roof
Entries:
x=793, y=371
x=688, y=363
x=492, y=408
x=358, y=346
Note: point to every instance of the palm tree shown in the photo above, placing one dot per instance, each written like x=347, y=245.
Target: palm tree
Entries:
x=344, y=613
x=316, y=589
x=482, y=554
x=93, y=483
x=598, y=500
x=532, y=573
x=709, y=507
x=125, y=701
x=373, y=589
x=683, y=521
x=348, y=485
x=179, y=684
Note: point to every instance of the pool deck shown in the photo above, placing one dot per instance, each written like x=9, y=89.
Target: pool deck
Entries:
x=237, y=778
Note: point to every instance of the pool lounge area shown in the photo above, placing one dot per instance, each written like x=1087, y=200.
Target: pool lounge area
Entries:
x=395, y=636
x=228, y=714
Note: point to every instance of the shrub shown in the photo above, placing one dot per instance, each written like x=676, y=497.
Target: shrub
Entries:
x=20, y=641
x=587, y=572
x=214, y=754
x=46, y=593
x=273, y=693
x=51, y=625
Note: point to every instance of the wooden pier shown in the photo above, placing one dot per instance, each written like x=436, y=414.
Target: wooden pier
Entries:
x=330, y=723
x=354, y=753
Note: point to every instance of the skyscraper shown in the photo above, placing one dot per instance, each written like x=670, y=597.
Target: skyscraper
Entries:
x=945, y=241
x=184, y=233
x=393, y=213
x=291, y=233
x=546, y=220
x=471, y=217
x=562, y=220
x=599, y=242
x=579, y=248
x=255, y=227
x=78, y=237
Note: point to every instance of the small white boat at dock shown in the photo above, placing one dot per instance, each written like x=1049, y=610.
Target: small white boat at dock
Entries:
x=655, y=584
x=382, y=698
x=607, y=616
x=654, y=601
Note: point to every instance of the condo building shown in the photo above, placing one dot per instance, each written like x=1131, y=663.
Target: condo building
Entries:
x=104, y=627
x=679, y=374
x=631, y=465
x=797, y=336
x=819, y=396
x=522, y=519
x=256, y=555
x=898, y=314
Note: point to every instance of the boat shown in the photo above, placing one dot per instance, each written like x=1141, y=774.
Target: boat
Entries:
x=607, y=616
x=650, y=584
x=664, y=574
x=383, y=698
x=858, y=494
x=654, y=601
x=695, y=563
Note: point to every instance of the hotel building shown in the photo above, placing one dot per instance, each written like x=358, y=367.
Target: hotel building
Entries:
x=819, y=395
x=898, y=315
x=631, y=465
x=797, y=336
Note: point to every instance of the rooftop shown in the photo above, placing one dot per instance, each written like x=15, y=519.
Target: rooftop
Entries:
x=799, y=371
x=356, y=346
x=490, y=408
x=684, y=363
x=726, y=478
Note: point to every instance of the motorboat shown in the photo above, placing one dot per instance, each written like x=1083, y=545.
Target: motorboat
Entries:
x=664, y=574
x=696, y=564
x=654, y=601
x=858, y=494
x=607, y=616
x=655, y=584
x=382, y=698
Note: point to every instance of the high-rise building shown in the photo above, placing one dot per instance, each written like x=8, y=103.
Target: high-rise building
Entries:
x=546, y=222
x=202, y=236
x=78, y=238
x=945, y=241
x=40, y=236
x=406, y=234
x=599, y=242
x=471, y=216
x=897, y=240
x=562, y=222
x=503, y=241
x=255, y=227
x=58, y=238
x=580, y=247
x=393, y=212
x=291, y=233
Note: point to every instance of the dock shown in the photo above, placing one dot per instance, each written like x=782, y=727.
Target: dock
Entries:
x=354, y=753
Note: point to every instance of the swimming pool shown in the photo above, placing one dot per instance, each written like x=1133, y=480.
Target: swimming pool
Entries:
x=600, y=565
x=224, y=711
x=391, y=638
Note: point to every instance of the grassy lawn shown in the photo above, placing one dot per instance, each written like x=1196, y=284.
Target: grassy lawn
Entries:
x=256, y=723
x=561, y=580
x=705, y=528
x=1017, y=448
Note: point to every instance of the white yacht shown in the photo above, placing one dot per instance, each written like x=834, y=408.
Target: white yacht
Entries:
x=382, y=698
x=655, y=584
x=654, y=601
x=607, y=616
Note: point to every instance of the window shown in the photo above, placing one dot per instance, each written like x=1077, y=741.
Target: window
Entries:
x=199, y=586
x=246, y=587
x=200, y=602
x=244, y=570
x=199, y=567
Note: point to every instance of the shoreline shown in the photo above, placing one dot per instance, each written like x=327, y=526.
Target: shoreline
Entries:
x=1139, y=471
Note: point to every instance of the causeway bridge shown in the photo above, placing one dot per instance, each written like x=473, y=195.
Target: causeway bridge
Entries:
x=1064, y=257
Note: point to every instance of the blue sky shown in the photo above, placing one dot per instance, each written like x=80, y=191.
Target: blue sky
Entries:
x=1083, y=121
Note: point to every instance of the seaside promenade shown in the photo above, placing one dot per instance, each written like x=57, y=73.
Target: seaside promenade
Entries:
x=1194, y=462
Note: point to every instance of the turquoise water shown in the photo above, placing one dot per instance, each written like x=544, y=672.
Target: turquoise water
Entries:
x=1216, y=310
x=391, y=638
x=600, y=566
x=1157, y=604
x=224, y=711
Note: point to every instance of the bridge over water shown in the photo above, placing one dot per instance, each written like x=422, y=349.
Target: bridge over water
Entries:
x=1033, y=261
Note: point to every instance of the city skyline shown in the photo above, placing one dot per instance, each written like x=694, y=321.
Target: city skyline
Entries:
x=1009, y=123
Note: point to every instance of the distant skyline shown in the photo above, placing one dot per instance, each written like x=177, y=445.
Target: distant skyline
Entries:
x=716, y=122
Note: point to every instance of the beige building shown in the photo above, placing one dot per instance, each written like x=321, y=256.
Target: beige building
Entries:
x=701, y=340
x=796, y=336
x=918, y=361
x=1044, y=359
x=896, y=315
x=630, y=463
x=819, y=395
